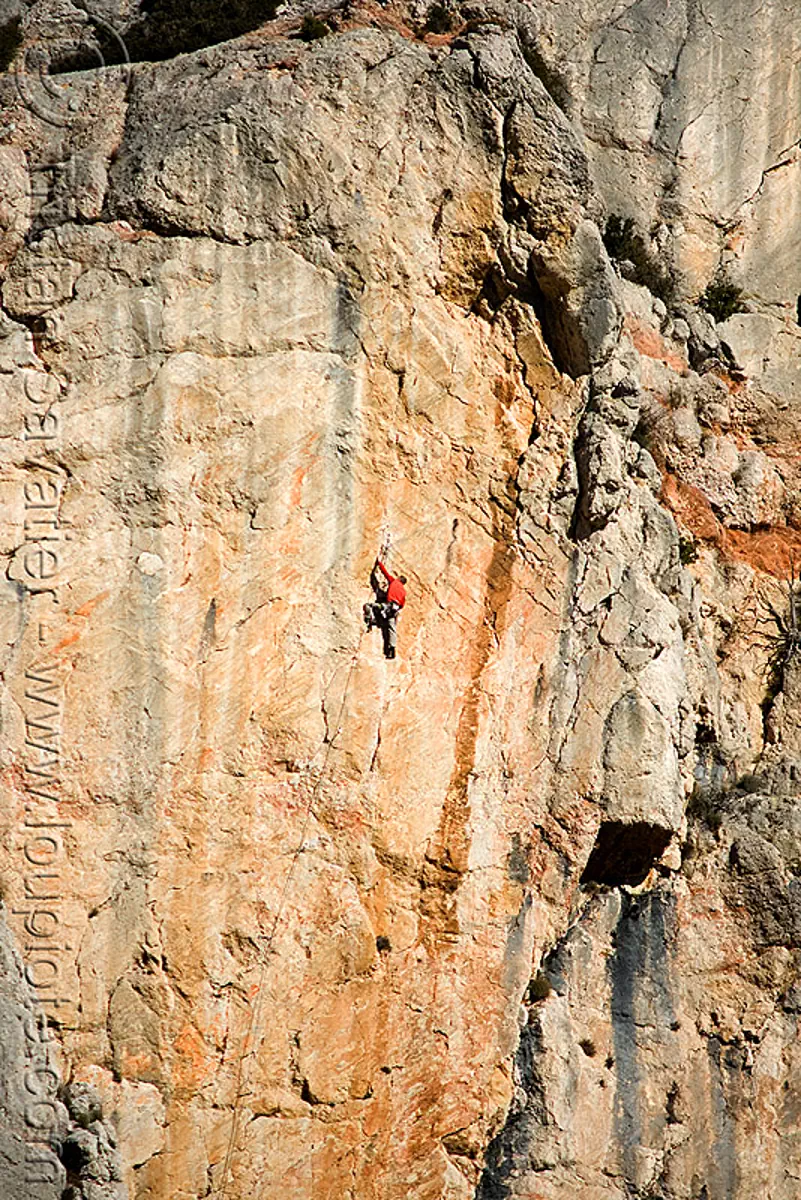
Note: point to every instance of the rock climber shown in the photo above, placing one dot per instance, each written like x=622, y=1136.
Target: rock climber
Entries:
x=389, y=601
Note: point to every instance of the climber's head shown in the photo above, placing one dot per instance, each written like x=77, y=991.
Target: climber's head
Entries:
x=402, y=578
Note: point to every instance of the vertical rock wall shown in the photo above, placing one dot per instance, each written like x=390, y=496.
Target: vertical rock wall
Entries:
x=324, y=924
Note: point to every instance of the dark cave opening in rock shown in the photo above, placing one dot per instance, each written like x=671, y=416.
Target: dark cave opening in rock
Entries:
x=624, y=852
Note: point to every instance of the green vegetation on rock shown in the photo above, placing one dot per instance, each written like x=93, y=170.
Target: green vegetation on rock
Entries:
x=439, y=19
x=721, y=299
x=313, y=28
x=625, y=244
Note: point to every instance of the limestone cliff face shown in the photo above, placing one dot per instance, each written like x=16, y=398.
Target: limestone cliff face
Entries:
x=515, y=914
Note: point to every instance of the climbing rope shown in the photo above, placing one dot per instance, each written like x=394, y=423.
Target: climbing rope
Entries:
x=249, y=1041
x=248, y=1045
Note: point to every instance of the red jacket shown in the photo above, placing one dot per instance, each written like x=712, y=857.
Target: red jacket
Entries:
x=396, y=592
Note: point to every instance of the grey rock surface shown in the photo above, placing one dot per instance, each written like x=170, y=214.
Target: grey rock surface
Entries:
x=53, y=1140
x=32, y=1120
x=691, y=120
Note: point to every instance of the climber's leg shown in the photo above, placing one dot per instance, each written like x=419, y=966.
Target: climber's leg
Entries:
x=390, y=629
x=374, y=615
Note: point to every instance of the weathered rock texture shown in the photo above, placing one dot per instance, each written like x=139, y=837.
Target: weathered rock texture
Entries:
x=328, y=925
x=25, y=1161
x=53, y=1139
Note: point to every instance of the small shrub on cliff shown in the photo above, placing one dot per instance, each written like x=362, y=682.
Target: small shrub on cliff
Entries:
x=721, y=299
x=752, y=784
x=439, y=19
x=540, y=988
x=705, y=807
x=783, y=640
x=654, y=431
x=10, y=41
x=625, y=244
x=313, y=28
